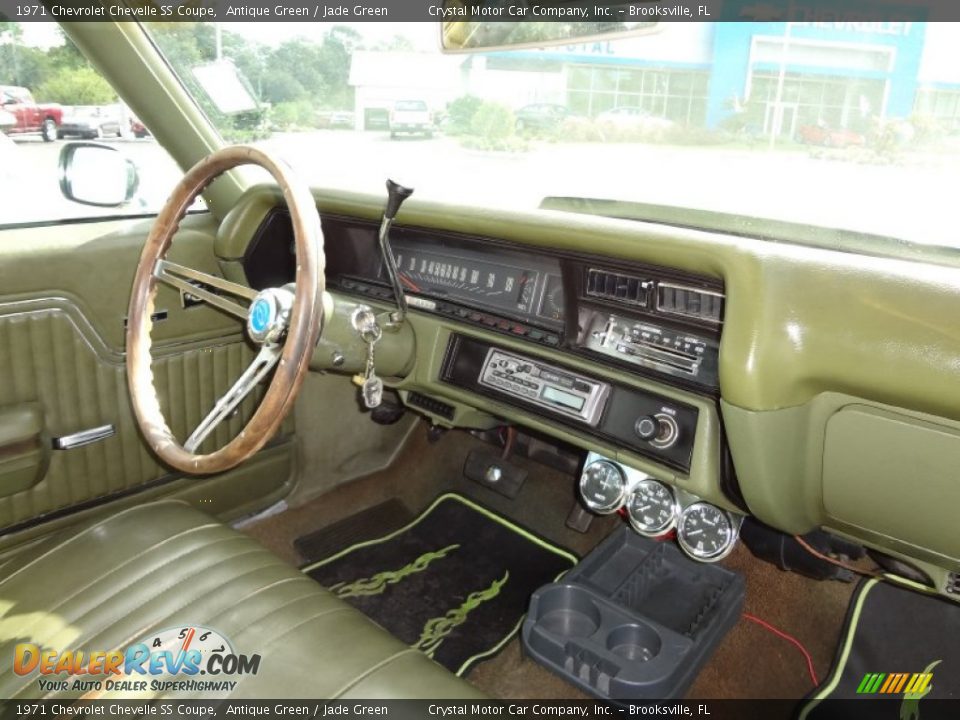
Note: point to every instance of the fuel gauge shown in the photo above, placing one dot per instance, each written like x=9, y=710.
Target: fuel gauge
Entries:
x=552, y=302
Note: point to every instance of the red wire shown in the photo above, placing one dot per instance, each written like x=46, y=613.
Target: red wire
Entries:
x=789, y=638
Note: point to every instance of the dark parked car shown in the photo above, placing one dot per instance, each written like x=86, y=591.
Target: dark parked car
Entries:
x=335, y=119
x=541, y=116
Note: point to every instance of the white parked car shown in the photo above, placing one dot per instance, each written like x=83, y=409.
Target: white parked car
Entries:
x=91, y=121
x=411, y=117
x=7, y=120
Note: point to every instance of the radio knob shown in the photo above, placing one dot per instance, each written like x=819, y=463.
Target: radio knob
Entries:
x=646, y=427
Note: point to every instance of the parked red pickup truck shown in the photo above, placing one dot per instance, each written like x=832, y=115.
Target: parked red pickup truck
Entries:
x=31, y=117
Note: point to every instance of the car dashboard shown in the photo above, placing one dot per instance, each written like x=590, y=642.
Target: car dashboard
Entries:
x=620, y=358
x=605, y=333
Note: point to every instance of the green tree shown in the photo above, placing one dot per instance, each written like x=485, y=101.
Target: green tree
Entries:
x=493, y=120
x=299, y=56
x=461, y=112
x=336, y=51
x=281, y=86
x=76, y=86
x=493, y=127
x=18, y=65
x=398, y=43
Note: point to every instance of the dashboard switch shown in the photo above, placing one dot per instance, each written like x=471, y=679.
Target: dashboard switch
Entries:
x=667, y=431
x=647, y=427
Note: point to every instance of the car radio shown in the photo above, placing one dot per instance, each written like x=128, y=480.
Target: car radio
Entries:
x=545, y=385
x=641, y=342
x=636, y=419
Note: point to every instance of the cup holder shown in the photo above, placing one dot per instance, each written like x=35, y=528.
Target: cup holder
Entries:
x=568, y=612
x=636, y=643
x=636, y=619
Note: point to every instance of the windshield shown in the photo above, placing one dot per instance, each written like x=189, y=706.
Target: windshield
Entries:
x=852, y=126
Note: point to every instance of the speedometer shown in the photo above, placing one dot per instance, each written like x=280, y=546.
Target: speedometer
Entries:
x=462, y=276
x=705, y=532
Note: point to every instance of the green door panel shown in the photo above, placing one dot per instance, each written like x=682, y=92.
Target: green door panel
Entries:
x=264, y=479
x=65, y=291
x=23, y=453
x=47, y=361
x=94, y=271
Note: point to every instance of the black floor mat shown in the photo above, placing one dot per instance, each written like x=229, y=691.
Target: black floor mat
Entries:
x=899, y=652
x=454, y=583
x=367, y=524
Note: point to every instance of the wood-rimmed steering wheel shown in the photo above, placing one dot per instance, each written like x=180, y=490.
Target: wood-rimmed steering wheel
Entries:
x=284, y=322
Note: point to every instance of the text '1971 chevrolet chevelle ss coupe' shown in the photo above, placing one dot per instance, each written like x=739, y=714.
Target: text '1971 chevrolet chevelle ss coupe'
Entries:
x=653, y=402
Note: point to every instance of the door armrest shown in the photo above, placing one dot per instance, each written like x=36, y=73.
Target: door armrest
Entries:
x=24, y=455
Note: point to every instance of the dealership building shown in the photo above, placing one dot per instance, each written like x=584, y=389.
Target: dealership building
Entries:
x=774, y=76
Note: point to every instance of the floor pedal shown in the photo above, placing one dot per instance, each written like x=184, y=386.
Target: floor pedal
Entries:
x=492, y=471
x=579, y=519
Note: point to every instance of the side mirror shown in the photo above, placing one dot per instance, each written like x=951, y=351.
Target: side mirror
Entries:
x=95, y=174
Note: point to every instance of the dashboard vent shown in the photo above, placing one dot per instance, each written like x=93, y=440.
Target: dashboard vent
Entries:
x=618, y=287
x=690, y=302
x=431, y=405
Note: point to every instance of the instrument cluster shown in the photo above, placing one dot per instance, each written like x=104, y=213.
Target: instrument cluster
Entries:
x=524, y=286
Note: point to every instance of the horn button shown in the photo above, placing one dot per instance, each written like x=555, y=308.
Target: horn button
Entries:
x=269, y=315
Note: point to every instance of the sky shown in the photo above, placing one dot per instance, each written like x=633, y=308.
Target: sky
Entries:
x=41, y=34
x=424, y=36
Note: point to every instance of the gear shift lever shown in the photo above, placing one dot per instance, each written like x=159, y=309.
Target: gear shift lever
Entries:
x=396, y=194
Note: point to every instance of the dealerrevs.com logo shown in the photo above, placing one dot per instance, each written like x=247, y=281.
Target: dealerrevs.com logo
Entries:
x=171, y=660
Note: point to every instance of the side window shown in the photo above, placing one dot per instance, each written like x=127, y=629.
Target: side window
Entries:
x=52, y=96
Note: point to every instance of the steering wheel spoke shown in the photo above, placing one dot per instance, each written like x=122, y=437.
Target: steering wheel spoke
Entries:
x=185, y=279
x=262, y=364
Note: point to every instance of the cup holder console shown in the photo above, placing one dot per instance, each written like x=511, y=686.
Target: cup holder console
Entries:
x=636, y=643
x=635, y=619
x=567, y=613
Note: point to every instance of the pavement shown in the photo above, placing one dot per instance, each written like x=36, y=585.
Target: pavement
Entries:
x=912, y=198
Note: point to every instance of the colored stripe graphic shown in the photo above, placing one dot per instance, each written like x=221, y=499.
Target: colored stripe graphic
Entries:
x=862, y=687
x=900, y=683
x=892, y=679
x=894, y=683
x=919, y=682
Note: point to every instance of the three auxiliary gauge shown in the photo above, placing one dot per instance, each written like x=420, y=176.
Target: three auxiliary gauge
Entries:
x=704, y=531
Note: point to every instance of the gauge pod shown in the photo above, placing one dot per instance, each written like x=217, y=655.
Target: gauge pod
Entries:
x=705, y=532
x=652, y=508
x=603, y=486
